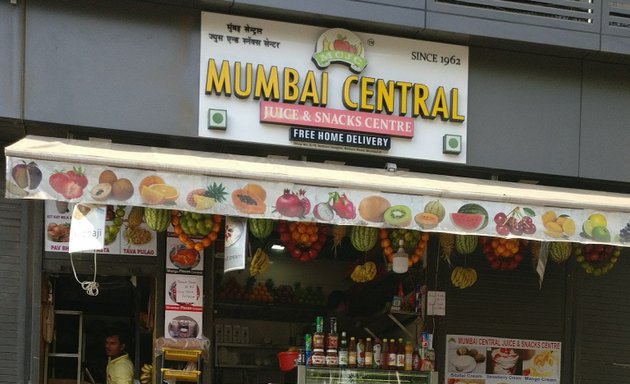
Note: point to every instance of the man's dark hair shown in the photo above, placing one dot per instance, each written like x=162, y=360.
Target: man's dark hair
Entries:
x=122, y=335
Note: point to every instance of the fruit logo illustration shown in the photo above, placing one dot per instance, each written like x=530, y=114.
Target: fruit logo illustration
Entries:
x=339, y=46
x=69, y=184
x=595, y=228
x=558, y=226
x=338, y=204
x=470, y=217
x=432, y=215
x=110, y=186
x=293, y=204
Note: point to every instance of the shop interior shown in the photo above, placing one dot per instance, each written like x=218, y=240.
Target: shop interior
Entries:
x=81, y=322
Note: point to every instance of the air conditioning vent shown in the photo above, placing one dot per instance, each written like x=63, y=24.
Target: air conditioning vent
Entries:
x=579, y=12
x=619, y=15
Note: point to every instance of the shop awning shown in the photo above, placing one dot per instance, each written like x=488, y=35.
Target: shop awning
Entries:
x=185, y=171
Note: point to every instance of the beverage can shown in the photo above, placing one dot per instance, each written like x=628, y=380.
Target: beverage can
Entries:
x=308, y=342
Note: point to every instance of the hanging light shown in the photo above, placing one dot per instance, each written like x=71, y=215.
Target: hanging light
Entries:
x=401, y=259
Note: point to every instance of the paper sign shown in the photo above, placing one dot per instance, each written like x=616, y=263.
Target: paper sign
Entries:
x=186, y=291
x=235, y=243
x=436, y=303
x=87, y=228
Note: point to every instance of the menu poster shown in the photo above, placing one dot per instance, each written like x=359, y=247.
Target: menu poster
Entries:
x=183, y=324
x=181, y=259
x=493, y=360
x=57, y=221
x=184, y=292
x=119, y=238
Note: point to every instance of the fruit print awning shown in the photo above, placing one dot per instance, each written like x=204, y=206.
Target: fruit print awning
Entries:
x=235, y=185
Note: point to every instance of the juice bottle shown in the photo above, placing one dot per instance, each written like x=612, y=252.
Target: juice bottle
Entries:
x=384, y=354
x=392, y=354
x=377, y=361
x=352, y=353
x=343, y=350
x=408, y=356
x=360, y=354
x=400, y=355
x=369, y=353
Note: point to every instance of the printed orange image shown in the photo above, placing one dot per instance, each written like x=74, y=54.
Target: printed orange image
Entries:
x=153, y=190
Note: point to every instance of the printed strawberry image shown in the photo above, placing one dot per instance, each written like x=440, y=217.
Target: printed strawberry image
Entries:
x=342, y=206
x=69, y=184
x=78, y=176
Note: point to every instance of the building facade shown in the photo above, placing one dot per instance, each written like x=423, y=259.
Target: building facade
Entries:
x=548, y=85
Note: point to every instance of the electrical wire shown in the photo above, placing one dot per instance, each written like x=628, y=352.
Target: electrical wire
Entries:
x=90, y=287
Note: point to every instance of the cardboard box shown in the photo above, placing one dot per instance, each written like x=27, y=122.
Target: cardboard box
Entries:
x=236, y=333
x=218, y=333
x=227, y=333
x=244, y=334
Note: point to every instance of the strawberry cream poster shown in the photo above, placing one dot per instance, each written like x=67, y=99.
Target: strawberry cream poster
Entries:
x=494, y=360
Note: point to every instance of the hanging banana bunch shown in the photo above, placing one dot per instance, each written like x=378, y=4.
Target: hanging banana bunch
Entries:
x=462, y=277
x=260, y=262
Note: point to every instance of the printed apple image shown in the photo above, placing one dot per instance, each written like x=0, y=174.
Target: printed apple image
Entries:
x=341, y=44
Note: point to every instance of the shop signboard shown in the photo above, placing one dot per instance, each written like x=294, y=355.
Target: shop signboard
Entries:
x=279, y=83
x=494, y=360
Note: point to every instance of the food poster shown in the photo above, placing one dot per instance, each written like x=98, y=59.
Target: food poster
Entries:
x=58, y=217
x=183, y=324
x=185, y=292
x=125, y=233
x=493, y=360
x=182, y=259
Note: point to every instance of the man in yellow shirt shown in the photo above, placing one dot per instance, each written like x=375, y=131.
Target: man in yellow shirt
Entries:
x=119, y=367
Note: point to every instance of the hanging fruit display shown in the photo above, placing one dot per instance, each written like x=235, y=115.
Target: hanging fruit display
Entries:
x=463, y=277
x=502, y=254
x=338, y=232
x=186, y=224
x=447, y=244
x=302, y=240
x=363, y=273
x=596, y=259
x=560, y=251
x=260, y=262
x=260, y=228
x=415, y=241
x=157, y=219
x=363, y=238
x=466, y=244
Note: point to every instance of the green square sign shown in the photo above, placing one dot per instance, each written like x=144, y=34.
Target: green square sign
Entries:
x=217, y=119
x=452, y=144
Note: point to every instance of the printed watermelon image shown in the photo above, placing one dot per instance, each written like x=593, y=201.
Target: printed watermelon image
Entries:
x=470, y=217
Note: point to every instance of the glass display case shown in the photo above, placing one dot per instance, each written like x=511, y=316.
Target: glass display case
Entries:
x=324, y=375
